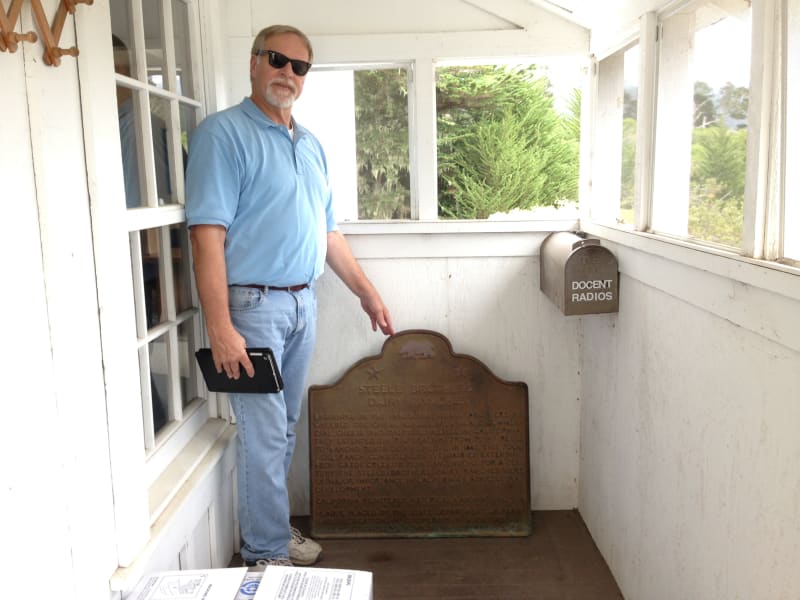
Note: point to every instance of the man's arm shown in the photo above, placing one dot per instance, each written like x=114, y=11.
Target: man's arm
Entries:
x=344, y=264
x=227, y=345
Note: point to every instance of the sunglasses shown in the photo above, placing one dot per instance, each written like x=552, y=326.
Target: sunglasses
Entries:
x=278, y=61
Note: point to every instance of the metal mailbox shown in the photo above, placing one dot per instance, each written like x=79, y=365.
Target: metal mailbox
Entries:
x=578, y=274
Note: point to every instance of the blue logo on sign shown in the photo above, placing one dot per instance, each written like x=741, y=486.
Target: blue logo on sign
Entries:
x=249, y=588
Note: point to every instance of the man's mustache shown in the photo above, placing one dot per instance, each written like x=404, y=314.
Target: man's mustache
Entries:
x=285, y=82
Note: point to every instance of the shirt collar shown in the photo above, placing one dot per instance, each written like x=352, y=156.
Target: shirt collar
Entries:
x=256, y=113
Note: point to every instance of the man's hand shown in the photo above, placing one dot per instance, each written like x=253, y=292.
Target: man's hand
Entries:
x=378, y=313
x=230, y=352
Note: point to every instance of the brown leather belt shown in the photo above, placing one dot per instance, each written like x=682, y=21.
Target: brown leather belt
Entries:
x=264, y=288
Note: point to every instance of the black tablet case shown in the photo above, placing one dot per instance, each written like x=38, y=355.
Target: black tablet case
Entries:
x=267, y=379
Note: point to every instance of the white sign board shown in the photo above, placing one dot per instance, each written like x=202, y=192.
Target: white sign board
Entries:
x=206, y=584
x=300, y=583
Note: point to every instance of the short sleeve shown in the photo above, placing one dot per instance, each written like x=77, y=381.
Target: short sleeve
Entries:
x=213, y=178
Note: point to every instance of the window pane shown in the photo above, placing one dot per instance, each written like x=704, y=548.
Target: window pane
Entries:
x=188, y=365
x=122, y=34
x=614, y=137
x=629, y=132
x=701, y=137
x=508, y=137
x=130, y=142
x=361, y=119
x=181, y=267
x=791, y=216
x=183, y=63
x=153, y=34
x=152, y=277
x=159, y=381
x=159, y=123
x=384, y=182
x=188, y=116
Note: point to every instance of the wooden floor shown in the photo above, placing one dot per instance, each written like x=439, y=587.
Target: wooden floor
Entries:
x=559, y=561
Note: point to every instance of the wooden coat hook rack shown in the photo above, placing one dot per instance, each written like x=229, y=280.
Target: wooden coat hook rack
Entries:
x=9, y=39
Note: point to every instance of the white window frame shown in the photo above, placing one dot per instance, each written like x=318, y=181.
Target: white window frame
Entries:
x=165, y=447
x=760, y=257
x=422, y=52
x=147, y=470
x=789, y=73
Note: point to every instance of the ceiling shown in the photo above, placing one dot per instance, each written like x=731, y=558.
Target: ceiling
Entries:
x=593, y=14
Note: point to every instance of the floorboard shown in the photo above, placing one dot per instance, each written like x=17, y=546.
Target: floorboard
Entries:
x=559, y=561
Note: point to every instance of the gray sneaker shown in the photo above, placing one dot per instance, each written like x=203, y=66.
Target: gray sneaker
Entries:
x=263, y=563
x=303, y=551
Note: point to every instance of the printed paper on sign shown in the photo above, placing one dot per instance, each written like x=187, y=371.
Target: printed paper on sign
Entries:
x=206, y=584
x=296, y=583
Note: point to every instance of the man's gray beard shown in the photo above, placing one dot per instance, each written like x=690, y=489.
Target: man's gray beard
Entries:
x=276, y=101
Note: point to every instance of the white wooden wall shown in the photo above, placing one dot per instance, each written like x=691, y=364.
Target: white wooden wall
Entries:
x=690, y=411
x=55, y=497
x=29, y=513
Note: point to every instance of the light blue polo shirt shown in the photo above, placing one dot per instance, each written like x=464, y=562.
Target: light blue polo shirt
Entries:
x=269, y=191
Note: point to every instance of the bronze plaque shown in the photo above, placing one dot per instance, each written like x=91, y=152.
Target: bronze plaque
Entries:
x=418, y=441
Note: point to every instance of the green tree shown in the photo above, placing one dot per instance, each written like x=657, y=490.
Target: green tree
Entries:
x=381, y=107
x=718, y=154
x=502, y=145
x=705, y=107
x=630, y=102
x=571, y=121
x=717, y=184
x=628, y=165
x=712, y=219
x=734, y=101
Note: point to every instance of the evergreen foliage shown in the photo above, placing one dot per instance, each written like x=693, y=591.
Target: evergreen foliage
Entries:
x=502, y=145
x=381, y=99
x=717, y=184
x=628, y=166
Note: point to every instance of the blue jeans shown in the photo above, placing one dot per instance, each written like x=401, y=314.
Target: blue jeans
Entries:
x=285, y=322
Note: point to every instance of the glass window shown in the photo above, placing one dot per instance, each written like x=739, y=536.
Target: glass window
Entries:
x=630, y=106
x=701, y=131
x=154, y=41
x=187, y=342
x=614, y=137
x=183, y=62
x=152, y=277
x=156, y=121
x=181, y=267
x=168, y=324
x=158, y=355
x=189, y=120
x=160, y=128
x=508, y=137
x=361, y=118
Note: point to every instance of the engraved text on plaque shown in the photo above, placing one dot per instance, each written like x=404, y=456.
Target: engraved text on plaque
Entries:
x=418, y=441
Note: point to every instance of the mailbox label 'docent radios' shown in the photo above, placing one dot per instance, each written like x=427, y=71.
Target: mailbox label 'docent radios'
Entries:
x=578, y=274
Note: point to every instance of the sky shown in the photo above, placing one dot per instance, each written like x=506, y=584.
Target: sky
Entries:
x=721, y=54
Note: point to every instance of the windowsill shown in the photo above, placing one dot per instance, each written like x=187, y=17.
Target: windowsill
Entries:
x=450, y=239
x=451, y=226
x=767, y=275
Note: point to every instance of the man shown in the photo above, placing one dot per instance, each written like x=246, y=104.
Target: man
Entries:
x=260, y=211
